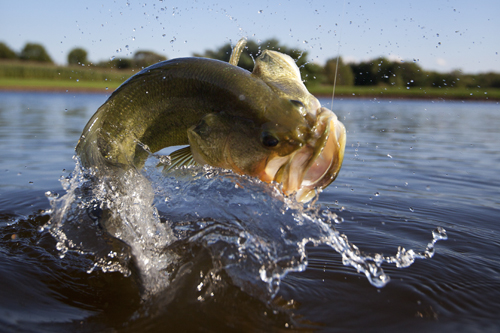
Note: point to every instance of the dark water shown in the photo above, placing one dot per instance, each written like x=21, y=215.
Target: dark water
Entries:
x=410, y=167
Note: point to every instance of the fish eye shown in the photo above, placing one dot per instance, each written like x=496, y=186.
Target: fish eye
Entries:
x=269, y=140
x=297, y=103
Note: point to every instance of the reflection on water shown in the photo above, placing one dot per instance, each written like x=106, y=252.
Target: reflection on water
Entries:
x=409, y=168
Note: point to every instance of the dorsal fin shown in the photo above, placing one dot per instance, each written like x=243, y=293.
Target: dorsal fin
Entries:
x=237, y=50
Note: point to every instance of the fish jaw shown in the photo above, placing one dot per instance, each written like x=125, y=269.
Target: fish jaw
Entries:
x=326, y=164
x=315, y=165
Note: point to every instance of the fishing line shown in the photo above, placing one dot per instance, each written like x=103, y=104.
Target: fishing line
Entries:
x=338, y=54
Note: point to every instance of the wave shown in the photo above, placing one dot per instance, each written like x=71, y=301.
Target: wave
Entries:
x=155, y=224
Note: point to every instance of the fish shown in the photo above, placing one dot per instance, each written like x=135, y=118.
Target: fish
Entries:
x=262, y=124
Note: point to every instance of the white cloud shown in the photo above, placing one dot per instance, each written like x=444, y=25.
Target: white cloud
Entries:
x=350, y=59
x=441, y=62
x=395, y=57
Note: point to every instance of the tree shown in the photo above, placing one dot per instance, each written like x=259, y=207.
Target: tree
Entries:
x=363, y=74
x=224, y=53
x=77, y=56
x=122, y=63
x=344, y=74
x=386, y=72
x=144, y=59
x=412, y=74
x=6, y=52
x=35, y=52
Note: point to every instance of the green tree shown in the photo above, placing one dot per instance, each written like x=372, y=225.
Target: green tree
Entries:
x=35, y=52
x=363, y=74
x=385, y=72
x=143, y=59
x=488, y=80
x=412, y=74
x=452, y=79
x=312, y=74
x=77, y=56
x=345, y=77
x=6, y=52
x=224, y=53
x=122, y=63
x=382, y=71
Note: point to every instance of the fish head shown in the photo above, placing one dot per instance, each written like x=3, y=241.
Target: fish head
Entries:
x=299, y=148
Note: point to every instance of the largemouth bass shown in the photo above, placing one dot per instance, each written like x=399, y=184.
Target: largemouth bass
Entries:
x=263, y=124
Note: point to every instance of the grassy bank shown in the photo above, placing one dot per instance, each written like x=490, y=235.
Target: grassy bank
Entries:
x=20, y=75
x=90, y=85
x=446, y=93
x=57, y=85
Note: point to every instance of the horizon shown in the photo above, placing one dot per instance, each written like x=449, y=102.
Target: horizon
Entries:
x=438, y=37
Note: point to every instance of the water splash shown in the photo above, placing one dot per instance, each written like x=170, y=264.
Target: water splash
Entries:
x=253, y=233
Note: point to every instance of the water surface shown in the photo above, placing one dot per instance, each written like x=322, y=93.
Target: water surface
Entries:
x=410, y=167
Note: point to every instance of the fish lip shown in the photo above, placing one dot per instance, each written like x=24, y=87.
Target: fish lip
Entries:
x=330, y=156
x=316, y=165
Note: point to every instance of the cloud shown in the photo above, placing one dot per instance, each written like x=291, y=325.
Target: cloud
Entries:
x=441, y=62
x=395, y=58
x=350, y=59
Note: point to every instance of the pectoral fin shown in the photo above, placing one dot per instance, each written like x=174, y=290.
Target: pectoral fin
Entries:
x=180, y=158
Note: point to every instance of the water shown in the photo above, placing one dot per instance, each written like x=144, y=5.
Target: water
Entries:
x=206, y=250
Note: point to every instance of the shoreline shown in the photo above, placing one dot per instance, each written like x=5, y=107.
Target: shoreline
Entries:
x=56, y=90
x=374, y=96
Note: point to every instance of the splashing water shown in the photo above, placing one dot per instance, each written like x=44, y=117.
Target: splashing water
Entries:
x=253, y=233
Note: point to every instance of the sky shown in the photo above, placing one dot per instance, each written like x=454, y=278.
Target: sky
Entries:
x=439, y=35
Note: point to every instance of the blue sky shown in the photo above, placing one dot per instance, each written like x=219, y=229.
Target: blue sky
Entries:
x=439, y=35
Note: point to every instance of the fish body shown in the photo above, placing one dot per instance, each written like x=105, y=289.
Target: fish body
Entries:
x=263, y=124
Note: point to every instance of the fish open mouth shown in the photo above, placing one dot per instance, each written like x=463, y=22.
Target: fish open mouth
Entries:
x=315, y=165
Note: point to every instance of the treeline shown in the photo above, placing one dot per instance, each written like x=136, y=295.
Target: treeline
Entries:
x=34, y=52
x=377, y=72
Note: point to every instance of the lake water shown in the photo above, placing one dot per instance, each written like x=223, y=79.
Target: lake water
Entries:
x=241, y=258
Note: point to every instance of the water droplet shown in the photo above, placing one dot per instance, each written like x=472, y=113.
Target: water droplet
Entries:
x=411, y=209
x=260, y=11
x=388, y=155
x=112, y=58
x=51, y=195
x=439, y=234
x=376, y=194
